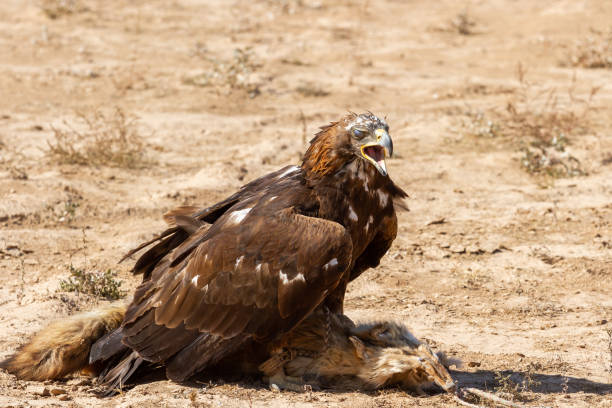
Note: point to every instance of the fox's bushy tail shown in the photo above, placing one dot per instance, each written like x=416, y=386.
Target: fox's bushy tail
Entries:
x=63, y=347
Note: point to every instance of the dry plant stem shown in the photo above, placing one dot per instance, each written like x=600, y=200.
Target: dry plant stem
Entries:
x=609, y=331
x=465, y=403
x=492, y=397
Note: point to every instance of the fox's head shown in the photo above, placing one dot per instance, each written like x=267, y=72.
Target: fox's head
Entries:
x=391, y=355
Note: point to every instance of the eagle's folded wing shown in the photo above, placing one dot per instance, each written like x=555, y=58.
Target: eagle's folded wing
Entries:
x=250, y=274
x=178, y=230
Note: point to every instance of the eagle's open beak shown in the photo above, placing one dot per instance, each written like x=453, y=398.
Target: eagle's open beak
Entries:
x=376, y=152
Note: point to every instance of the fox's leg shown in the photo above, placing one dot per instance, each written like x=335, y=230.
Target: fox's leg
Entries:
x=285, y=382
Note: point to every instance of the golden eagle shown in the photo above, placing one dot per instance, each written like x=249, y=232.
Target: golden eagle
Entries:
x=253, y=266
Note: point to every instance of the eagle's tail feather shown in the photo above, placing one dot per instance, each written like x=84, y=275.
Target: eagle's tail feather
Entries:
x=107, y=346
x=115, y=378
x=63, y=347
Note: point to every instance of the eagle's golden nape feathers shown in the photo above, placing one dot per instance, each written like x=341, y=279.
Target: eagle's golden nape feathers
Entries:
x=319, y=158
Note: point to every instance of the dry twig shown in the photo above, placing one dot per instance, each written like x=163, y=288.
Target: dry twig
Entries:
x=465, y=403
x=491, y=397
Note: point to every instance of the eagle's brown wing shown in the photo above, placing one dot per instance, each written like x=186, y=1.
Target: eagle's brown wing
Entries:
x=182, y=219
x=252, y=274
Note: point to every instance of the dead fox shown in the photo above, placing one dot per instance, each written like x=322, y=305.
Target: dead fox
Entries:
x=325, y=350
x=329, y=350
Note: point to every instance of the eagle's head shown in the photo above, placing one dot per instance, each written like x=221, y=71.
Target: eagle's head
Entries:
x=370, y=139
x=354, y=137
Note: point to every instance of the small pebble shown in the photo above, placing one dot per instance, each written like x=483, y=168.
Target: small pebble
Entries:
x=57, y=391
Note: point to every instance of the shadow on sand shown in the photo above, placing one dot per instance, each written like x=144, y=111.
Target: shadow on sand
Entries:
x=540, y=383
x=481, y=379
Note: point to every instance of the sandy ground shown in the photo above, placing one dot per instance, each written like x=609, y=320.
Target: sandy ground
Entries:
x=508, y=271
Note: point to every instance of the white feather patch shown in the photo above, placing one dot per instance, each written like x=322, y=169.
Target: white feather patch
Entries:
x=357, y=121
x=237, y=216
x=352, y=214
x=287, y=281
x=363, y=176
x=383, y=198
x=238, y=261
x=283, y=277
x=331, y=264
x=370, y=221
x=290, y=170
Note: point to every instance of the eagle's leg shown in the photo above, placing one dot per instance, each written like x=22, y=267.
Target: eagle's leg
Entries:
x=285, y=382
x=335, y=300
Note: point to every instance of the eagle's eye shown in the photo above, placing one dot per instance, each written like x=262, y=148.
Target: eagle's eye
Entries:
x=384, y=333
x=359, y=133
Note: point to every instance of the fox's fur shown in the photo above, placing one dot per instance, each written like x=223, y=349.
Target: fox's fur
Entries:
x=330, y=351
x=63, y=347
x=325, y=350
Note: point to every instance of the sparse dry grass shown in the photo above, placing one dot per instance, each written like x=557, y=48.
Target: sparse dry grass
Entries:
x=68, y=213
x=516, y=389
x=463, y=23
x=234, y=74
x=98, y=284
x=594, y=51
x=310, y=90
x=59, y=8
x=107, y=139
x=609, y=332
x=506, y=387
x=128, y=80
x=540, y=124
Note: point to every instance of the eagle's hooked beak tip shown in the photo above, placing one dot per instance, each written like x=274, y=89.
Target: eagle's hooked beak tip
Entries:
x=384, y=140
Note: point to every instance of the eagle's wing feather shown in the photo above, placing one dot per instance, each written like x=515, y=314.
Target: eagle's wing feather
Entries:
x=252, y=274
x=181, y=227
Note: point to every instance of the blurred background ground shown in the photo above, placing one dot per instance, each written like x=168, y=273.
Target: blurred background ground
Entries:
x=113, y=112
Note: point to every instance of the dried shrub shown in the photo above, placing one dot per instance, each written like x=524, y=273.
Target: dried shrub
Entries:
x=507, y=387
x=550, y=158
x=594, y=51
x=106, y=139
x=516, y=386
x=98, y=284
x=234, y=74
x=463, y=24
x=58, y=8
x=539, y=125
x=68, y=213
